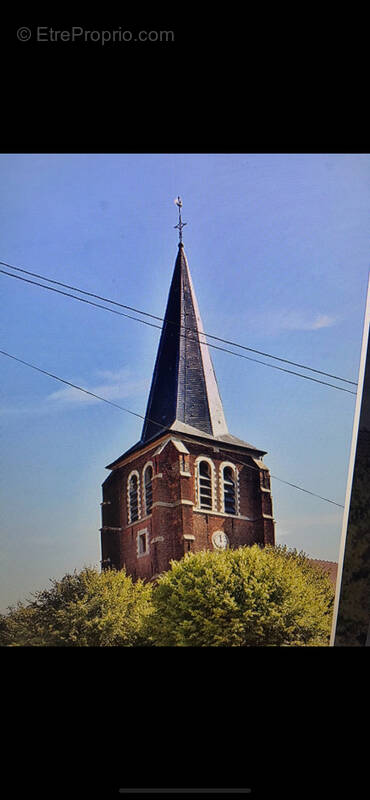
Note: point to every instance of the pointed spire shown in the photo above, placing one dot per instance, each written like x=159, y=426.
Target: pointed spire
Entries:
x=184, y=387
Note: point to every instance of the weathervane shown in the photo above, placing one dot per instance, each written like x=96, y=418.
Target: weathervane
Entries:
x=180, y=224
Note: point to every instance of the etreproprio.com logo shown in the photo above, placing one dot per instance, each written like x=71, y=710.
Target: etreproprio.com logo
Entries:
x=76, y=35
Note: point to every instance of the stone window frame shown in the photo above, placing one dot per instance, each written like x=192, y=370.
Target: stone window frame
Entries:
x=221, y=488
x=142, y=532
x=213, y=483
x=184, y=464
x=265, y=481
x=132, y=473
x=148, y=464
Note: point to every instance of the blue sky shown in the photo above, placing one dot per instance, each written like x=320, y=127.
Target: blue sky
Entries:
x=277, y=246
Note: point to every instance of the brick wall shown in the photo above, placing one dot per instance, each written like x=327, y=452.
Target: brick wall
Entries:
x=175, y=526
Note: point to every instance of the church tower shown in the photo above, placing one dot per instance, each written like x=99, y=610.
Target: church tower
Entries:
x=188, y=484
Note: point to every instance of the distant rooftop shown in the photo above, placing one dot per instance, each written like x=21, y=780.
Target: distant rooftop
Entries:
x=331, y=567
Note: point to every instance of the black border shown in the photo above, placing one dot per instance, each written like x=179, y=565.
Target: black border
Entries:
x=277, y=720
x=225, y=84
x=273, y=719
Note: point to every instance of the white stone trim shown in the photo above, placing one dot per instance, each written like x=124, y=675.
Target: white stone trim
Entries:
x=141, y=532
x=176, y=442
x=209, y=461
x=216, y=412
x=130, y=521
x=189, y=536
x=183, y=466
x=222, y=514
x=180, y=446
x=109, y=528
x=162, y=446
x=164, y=505
x=172, y=505
x=148, y=464
x=138, y=521
x=259, y=463
x=221, y=488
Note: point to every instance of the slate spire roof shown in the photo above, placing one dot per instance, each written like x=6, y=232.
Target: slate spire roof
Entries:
x=184, y=399
x=184, y=387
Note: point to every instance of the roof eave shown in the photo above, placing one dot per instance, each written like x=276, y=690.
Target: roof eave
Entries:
x=183, y=430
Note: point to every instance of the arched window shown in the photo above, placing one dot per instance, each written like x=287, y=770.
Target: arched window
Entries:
x=205, y=485
x=229, y=490
x=148, y=488
x=133, y=497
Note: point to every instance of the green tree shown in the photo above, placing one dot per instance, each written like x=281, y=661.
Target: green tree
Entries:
x=251, y=596
x=83, y=609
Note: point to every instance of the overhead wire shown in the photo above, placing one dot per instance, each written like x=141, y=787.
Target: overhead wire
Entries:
x=184, y=335
x=136, y=414
x=161, y=319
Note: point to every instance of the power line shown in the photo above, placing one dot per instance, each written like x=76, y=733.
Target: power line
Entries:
x=153, y=325
x=306, y=490
x=74, y=386
x=297, y=487
x=134, y=413
x=161, y=319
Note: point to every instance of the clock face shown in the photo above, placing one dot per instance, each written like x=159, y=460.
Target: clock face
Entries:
x=220, y=540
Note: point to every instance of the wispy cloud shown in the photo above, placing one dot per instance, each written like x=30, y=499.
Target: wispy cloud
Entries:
x=274, y=321
x=298, y=321
x=118, y=385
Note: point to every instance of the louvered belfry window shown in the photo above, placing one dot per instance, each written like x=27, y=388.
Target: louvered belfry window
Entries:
x=205, y=485
x=133, y=498
x=148, y=487
x=229, y=491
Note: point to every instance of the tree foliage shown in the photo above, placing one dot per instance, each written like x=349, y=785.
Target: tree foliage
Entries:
x=251, y=596
x=83, y=609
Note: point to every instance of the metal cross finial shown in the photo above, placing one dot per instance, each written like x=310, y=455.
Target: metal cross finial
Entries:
x=180, y=224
